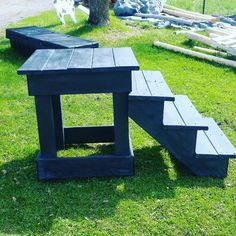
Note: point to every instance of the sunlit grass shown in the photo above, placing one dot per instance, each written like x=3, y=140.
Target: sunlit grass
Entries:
x=163, y=198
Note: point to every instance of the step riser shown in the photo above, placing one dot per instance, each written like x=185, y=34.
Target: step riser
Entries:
x=183, y=141
x=150, y=119
x=153, y=110
x=184, y=153
x=216, y=168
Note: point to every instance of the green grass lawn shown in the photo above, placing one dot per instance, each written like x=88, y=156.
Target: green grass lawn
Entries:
x=220, y=7
x=163, y=198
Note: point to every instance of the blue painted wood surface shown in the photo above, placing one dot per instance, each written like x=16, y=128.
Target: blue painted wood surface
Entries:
x=52, y=73
x=150, y=85
x=84, y=167
x=62, y=61
x=27, y=39
x=195, y=141
x=182, y=114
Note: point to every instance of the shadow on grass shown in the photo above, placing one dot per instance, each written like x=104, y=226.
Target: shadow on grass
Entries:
x=30, y=206
x=4, y=42
x=82, y=30
x=52, y=25
x=12, y=56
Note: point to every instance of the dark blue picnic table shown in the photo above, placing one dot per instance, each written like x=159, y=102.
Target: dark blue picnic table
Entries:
x=52, y=73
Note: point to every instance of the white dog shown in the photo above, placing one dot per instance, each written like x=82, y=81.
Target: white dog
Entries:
x=65, y=7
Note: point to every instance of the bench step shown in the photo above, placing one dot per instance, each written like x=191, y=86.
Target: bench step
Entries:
x=34, y=37
x=181, y=114
x=150, y=85
x=213, y=143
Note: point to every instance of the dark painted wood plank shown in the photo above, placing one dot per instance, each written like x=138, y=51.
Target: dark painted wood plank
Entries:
x=204, y=146
x=93, y=134
x=36, y=62
x=157, y=85
x=171, y=116
x=107, y=82
x=188, y=112
x=218, y=139
x=49, y=37
x=46, y=128
x=79, y=43
x=65, y=41
x=28, y=31
x=33, y=30
x=121, y=126
x=149, y=85
x=134, y=83
x=140, y=87
x=103, y=59
x=58, y=122
x=81, y=60
x=124, y=58
x=84, y=167
x=41, y=38
x=59, y=60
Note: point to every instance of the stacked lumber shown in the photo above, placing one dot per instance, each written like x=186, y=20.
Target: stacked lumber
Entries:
x=199, y=55
x=177, y=16
x=163, y=17
x=171, y=10
x=218, y=38
x=223, y=39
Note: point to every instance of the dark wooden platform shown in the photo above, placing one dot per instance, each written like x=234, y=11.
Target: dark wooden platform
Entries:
x=27, y=39
x=173, y=120
x=52, y=73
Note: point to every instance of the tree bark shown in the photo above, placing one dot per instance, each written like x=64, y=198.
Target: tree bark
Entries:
x=99, y=12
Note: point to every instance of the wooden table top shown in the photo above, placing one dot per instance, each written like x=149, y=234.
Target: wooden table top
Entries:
x=67, y=61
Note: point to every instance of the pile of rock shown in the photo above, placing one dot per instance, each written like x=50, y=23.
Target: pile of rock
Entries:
x=130, y=7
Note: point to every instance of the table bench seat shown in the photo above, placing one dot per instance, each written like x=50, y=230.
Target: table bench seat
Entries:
x=27, y=39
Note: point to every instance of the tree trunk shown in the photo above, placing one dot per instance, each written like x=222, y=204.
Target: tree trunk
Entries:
x=99, y=12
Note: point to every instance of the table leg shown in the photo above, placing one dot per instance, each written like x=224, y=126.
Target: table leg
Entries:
x=45, y=118
x=58, y=122
x=120, y=105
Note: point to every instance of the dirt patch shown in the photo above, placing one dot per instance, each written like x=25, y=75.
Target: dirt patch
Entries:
x=13, y=10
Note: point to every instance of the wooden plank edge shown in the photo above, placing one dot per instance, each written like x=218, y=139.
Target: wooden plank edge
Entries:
x=199, y=55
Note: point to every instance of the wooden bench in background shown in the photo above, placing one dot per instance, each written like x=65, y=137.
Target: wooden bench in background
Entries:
x=27, y=39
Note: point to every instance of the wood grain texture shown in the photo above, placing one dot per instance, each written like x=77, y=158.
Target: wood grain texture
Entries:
x=81, y=59
x=124, y=57
x=36, y=62
x=182, y=114
x=68, y=61
x=42, y=38
x=84, y=167
x=46, y=128
x=82, y=83
x=150, y=85
x=218, y=140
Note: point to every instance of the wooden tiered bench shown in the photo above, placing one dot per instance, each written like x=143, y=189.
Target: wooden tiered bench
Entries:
x=27, y=39
x=175, y=123
x=195, y=141
x=53, y=73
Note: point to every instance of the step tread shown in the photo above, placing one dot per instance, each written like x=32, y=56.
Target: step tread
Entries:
x=182, y=113
x=214, y=138
x=171, y=115
x=150, y=85
x=203, y=145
